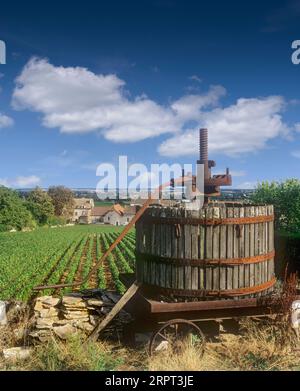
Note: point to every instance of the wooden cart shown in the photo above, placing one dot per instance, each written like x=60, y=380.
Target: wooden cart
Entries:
x=173, y=321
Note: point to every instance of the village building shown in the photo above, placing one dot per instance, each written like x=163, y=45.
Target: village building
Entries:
x=86, y=213
x=119, y=216
x=98, y=214
x=83, y=210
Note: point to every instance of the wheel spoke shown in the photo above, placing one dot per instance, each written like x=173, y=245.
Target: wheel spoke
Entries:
x=163, y=336
x=177, y=331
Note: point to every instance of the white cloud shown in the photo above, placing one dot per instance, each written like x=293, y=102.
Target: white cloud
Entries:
x=297, y=127
x=5, y=121
x=246, y=185
x=27, y=181
x=76, y=100
x=195, y=78
x=240, y=128
x=4, y=182
x=296, y=154
x=21, y=181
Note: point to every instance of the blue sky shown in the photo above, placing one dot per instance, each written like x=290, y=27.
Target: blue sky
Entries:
x=86, y=83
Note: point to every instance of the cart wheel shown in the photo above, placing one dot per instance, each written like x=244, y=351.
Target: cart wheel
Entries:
x=176, y=334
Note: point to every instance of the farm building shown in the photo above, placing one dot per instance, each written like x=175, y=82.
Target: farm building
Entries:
x=82, y=210
x=119, y=215
x=98, y=213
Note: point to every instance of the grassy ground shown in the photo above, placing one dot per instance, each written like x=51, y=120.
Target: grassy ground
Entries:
x=260, y=347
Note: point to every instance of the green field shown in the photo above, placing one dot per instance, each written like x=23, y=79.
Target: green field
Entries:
x=62, y=255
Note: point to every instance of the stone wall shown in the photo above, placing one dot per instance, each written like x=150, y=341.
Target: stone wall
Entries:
x=62, y=317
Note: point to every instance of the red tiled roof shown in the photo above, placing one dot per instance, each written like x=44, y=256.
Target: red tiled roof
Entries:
x=119, y=209
x=100, y=210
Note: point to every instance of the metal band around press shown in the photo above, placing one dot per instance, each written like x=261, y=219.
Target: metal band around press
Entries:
x=202, y=262
x=216, y=293
x=198, y=221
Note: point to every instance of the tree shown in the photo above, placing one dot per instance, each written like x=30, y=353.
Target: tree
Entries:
x=39, y=203
x=13, y=211
x=63, y=200
x=285, y=196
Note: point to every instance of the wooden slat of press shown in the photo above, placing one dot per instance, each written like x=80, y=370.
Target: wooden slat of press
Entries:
x=138, y=260
x=147, y=231
x=142, y=247
x=163, y=233
x=208, y=249
x=252, y=247
x=168, y=281
x=139, y=246
x=261, y=246
x=223, y=246
x=236, y=251
x=271, y=243
x=194, y=251
x=201, y=249
x=151, y=272
x=241, y=241
x=174, y=252
x=154, y=268
x=229, y=238
x=180, y=278
x=247, y=249
x=216, y=249
x=137, y=235
x=162, y=274
x=257, y=247
x=153, y=228
x=264, y=264
x=162, y=265
x=156, y=235
x=267, y=246
x=142, y=268
x=187, y=252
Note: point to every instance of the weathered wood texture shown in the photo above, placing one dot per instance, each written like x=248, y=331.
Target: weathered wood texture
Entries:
x=206, y=260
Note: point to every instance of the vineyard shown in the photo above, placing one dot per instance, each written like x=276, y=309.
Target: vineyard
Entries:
x=62, y=255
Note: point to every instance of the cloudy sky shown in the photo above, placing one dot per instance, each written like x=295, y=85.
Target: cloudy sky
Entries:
x=86, y=84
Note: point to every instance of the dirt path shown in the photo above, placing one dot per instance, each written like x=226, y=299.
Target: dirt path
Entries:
x=46, y=278
x=78, y=273
x=109, y=281
x=94, y=281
